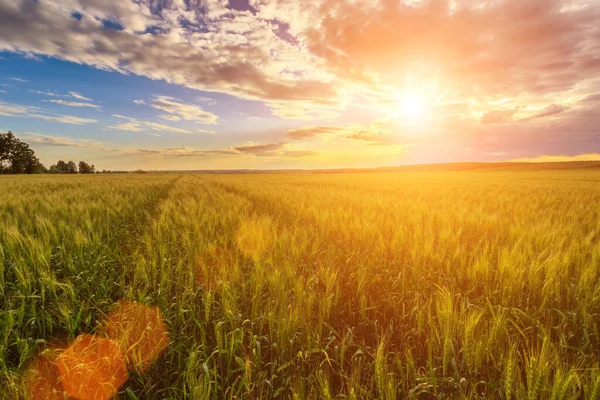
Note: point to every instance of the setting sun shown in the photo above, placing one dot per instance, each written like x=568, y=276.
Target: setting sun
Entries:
x=412, y=107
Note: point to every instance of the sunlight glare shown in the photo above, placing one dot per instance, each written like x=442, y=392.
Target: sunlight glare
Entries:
x=412, y=106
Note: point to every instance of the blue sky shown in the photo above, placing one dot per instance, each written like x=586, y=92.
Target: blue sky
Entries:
x=114, y=94
x=179, y=84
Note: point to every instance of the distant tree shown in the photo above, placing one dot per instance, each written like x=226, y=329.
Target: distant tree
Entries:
x=16, y=157
x=40, y=168
x=85, y=168
x=54, y=170
x=139, y=171
x=60, y=167
x=71, y=167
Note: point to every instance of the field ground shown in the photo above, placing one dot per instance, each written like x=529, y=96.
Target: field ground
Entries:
x=387, y=285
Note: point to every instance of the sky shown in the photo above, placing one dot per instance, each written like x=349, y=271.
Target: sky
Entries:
x=272, y=84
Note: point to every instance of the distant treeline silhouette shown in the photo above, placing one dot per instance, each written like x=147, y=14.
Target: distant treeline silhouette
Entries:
x=16, y=157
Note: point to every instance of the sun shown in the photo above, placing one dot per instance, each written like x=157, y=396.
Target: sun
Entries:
x=412, y=107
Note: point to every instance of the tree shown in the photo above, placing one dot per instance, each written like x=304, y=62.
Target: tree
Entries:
x=59, y=168
x=71, y=167
x=62, y=167
x=16, y=157
x=85, y=168
x=40, y=169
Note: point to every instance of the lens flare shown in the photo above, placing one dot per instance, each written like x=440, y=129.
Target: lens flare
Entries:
x=141, y=332
x=92, y=368
x=42, y=380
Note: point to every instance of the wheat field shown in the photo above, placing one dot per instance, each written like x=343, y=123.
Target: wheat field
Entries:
x=343, y=286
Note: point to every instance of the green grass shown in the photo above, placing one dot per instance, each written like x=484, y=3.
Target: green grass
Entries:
x=383, y=286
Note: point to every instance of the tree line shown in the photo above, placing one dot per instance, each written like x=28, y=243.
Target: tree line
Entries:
x=16, y=157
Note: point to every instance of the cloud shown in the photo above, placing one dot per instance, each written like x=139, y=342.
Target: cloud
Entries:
x=254, y=150
x=317, y=59
x=299, y=153
x=547, y=111
x=302, y=111
x=354, y=132
x=504, y=46
x=127, y=126
x=507, y=115
x=206, y=46
x=591, y=99
x=49, y=93
x=318, y=52
x=547, y=158
x=78, y=96
x=135, y=125
x=207, y=100
x=74, y=95
x=18, y=80
x=64, y=119
x=139, y=102
x=169, y=117
x=258, y=149
x=15, y=110
x=74, y=103
x=181, y=110
x=498, y=116
x=270, y=149
x=56, y=141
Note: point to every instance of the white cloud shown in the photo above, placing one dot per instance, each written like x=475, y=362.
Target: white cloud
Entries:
x=49, y=93
x=65, y=119
x=169, y=117
x=207, y=46
x=73, y=103
x=57, y=141
x=78, y=96
x=206, y=100
x=135, y=125
x=74, y=95
x=248, y=150
x=181, y=110
x=15, y=110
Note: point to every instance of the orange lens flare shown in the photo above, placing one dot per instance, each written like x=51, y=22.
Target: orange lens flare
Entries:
x=95, y=367
x=141, y=332
x=92, y=368
x=42, y=380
